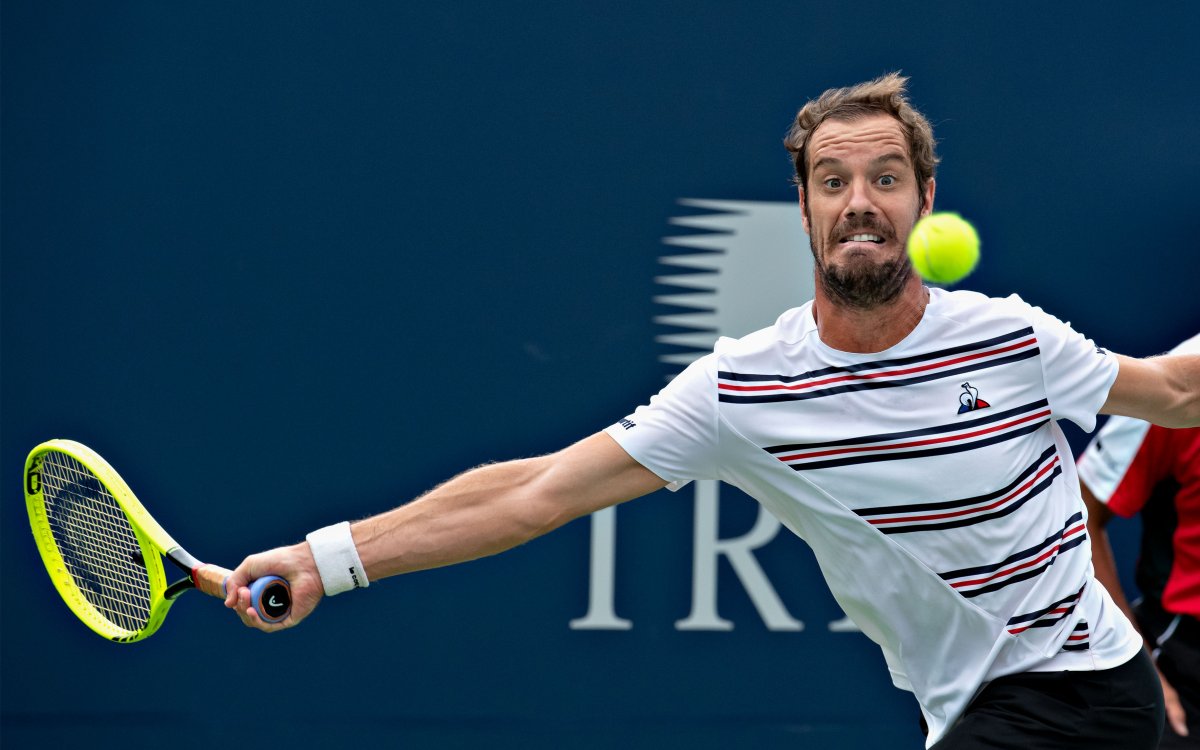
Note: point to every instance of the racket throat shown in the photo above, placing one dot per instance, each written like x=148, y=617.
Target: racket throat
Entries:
x=188, y=564
x=208, y=578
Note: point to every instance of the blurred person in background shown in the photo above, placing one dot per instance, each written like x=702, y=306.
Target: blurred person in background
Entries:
x=1133, y=467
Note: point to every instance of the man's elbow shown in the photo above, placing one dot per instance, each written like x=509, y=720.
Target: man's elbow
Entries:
x=1182, y=413
x=1162, y=390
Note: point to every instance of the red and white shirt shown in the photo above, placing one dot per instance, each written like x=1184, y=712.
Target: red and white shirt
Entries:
x=931, y=481
x=1128, y=461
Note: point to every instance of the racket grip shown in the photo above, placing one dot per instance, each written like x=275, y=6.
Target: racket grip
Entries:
x=271, y=598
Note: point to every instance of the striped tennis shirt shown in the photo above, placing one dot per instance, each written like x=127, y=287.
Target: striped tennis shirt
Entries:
x=931, y=480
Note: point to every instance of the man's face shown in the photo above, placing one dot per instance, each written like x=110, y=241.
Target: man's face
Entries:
x=861, y=202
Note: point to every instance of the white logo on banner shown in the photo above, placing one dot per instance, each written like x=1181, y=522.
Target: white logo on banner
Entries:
x=744, y=264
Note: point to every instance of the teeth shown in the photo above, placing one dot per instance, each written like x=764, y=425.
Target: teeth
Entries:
x=865, y=238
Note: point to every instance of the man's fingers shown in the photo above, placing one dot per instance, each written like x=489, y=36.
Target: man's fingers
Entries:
x=295, y=565
x=1176, y=716
x=241, y=605
x=248, y=614
x=239, y=579
x=231, y=592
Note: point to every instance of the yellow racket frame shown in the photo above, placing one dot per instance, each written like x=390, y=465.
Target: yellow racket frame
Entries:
x=152, y=538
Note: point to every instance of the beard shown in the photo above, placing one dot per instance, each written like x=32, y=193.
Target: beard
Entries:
x=858, y=282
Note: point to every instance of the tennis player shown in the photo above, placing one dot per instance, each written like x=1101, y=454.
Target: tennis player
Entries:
x=1132, y=467
x=953, y=537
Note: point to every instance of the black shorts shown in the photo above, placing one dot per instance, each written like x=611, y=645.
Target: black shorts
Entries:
x=1111, y=709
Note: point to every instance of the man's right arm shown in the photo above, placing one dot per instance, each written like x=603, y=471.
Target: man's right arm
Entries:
x=499, y=506
x=481, y=512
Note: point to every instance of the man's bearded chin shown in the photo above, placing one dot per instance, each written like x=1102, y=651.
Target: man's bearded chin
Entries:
x=862, y=284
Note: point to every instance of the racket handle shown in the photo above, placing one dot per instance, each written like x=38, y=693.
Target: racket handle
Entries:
x=271, y=598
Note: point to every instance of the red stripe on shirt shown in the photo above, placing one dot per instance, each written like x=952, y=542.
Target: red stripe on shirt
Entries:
x=998, y=503
x=1048, y=553
x=876, y=375
x=917, y=443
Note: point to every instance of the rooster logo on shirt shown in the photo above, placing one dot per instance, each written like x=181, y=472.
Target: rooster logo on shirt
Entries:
x=969, y=399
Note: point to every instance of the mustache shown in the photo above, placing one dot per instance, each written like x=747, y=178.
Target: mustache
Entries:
x=862, y=225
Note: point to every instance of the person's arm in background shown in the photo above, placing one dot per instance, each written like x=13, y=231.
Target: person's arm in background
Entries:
x=1105, y=565
x=1102, y=555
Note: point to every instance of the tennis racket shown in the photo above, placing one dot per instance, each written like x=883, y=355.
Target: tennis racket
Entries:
x=105, y=553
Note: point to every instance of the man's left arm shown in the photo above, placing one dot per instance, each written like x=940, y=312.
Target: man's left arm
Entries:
x=1162, y=390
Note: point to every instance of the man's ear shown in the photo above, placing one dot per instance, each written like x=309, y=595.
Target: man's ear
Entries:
x=930, y=189
x=803, y=209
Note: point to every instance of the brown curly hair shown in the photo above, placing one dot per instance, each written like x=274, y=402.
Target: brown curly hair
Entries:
x=884, y=95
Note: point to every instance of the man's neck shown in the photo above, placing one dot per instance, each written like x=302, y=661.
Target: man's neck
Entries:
x=866, y=331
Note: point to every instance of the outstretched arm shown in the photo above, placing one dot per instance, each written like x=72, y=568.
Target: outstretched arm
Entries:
x=1162, y=390
x=478, y=513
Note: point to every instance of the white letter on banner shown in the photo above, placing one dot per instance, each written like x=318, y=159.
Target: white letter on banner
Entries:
x=600, y=614
x=704, y=567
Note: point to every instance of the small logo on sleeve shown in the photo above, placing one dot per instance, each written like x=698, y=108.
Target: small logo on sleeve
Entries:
x=627, y=424
x=969, y=399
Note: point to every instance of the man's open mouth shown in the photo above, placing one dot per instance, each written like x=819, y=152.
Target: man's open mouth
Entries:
x=863, y=238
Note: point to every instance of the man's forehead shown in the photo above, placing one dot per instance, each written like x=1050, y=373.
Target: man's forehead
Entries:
x=880, y=132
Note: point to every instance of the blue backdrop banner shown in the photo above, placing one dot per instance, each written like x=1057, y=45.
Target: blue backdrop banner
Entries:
x=287, y=264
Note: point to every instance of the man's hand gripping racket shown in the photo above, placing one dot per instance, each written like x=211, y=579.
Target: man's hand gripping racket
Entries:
x=296, y=564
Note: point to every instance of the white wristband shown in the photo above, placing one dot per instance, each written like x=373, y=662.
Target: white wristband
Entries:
x=337, y=559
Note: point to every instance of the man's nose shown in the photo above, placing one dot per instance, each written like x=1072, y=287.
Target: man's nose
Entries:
x=859, y=202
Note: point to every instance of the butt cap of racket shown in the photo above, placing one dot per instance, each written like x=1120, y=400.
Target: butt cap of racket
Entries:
x=271, y=598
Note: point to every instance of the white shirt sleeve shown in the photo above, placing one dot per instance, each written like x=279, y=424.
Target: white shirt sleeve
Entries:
x=1105, y=461
x=676, y=434
x=1078, y=374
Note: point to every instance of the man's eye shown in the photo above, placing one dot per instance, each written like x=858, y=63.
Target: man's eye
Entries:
x=887, y=180
x=833, y=183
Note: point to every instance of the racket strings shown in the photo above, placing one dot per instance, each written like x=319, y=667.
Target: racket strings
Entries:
x=96, y=542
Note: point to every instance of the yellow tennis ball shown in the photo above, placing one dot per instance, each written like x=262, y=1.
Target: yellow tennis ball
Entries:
x=943, y=247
